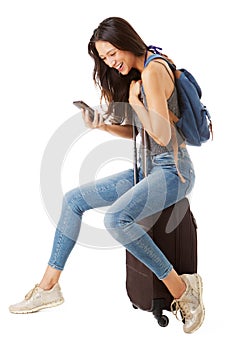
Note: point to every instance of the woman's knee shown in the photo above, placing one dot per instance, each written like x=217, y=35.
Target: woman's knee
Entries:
x=72, y=200
x=116, y=224
x=110, y=220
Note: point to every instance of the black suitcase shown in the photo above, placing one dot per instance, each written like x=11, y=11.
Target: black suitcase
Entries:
x=144, y=289
x=175, y=233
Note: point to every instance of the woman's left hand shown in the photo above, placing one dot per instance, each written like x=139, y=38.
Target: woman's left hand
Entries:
x=134, y=91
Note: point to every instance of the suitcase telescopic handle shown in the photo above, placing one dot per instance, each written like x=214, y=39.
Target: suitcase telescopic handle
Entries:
x=144, y=161
x=135, y=167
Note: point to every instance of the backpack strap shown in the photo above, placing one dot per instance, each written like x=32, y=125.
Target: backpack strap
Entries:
x=163, y=57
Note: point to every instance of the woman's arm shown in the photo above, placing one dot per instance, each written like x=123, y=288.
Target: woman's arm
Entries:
x=125, y=131
x=158, y=88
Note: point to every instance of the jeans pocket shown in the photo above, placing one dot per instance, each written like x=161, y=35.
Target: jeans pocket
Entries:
x=187, y=171
x=191, y=180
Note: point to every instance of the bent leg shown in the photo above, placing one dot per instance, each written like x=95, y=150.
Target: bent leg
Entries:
x=130, y=217
x=100, y=193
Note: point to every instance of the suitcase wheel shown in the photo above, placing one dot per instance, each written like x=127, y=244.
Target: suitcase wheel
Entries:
x=163, y=321
x=158, y=306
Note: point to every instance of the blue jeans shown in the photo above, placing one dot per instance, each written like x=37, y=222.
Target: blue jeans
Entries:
x=129, y=206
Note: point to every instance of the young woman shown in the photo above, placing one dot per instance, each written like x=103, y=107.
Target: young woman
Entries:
x=119, y=70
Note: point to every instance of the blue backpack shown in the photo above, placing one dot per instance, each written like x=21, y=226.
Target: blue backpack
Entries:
x=195, y=121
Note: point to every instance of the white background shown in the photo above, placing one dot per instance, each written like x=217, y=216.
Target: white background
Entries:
x=44, y=67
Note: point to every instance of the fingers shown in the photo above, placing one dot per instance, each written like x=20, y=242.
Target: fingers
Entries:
x=98, y=120
x=135, y=87
x=94, y=123
x=135, y=83
x=135, y=91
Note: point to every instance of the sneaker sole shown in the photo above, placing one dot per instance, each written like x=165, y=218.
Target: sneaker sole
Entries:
x=38, y=308
x=200, y=287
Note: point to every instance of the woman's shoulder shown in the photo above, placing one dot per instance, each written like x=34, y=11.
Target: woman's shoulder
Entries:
x=156, y=66
x=156, y=69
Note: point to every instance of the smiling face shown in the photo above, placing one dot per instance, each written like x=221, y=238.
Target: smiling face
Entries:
x=123, y=61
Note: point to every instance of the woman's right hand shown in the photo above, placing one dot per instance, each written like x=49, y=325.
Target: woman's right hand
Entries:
x=125, y=131
x=96, y=123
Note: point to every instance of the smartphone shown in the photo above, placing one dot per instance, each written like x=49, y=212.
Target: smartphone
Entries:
x=83, y=105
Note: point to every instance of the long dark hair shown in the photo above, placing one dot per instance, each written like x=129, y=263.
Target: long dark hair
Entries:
x=117, y=31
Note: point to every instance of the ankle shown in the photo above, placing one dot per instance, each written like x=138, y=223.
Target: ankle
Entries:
x=183, y=288
x=50, y=278
x=47, y=285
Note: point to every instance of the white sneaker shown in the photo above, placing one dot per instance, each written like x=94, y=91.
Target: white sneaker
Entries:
x=190, y=304
x=38, y=299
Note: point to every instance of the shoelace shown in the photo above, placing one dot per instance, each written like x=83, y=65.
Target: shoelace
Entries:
x=183, y=309
x=30, y=293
